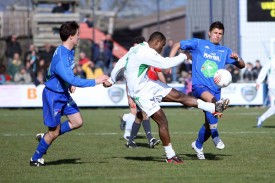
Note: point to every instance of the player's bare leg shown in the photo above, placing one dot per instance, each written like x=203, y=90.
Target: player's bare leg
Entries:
x=160, y=118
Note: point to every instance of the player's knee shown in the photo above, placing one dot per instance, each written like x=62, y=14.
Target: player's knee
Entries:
x=213, y=126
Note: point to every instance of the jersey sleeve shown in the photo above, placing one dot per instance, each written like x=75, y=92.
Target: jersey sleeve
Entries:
x=152, y=58
x=120, y=65
x=189, y=44
x=63, y=70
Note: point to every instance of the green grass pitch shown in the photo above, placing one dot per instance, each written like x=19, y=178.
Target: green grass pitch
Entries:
x=97, y=153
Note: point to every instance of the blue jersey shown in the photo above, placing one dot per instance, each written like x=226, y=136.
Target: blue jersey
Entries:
x=207, y=58
x=60, y=74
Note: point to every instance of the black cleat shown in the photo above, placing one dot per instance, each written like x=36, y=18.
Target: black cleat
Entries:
x=153, y=142
x=39, y=162
x=122, y=123
x=131, y=145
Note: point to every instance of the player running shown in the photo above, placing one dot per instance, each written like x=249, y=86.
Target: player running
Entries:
x=56, y=97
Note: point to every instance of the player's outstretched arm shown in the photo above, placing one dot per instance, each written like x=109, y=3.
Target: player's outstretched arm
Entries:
x=101, y=79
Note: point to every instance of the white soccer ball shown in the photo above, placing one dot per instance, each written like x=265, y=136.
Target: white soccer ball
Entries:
x=222, y=78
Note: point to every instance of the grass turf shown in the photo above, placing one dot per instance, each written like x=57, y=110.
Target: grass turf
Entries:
x=97, y=153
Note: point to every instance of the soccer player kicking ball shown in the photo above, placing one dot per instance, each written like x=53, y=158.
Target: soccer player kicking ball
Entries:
x=207, y=58
x=56, y=97
x=148, y=94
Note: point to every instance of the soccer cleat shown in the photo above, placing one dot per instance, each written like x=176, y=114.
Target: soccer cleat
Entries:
x=153, y=142
x=199, y=152
x=220, y=145
x=131, y=145
x=174, y=160
x=259, y=123
x=220, y=106
x=122, y=123
x=39, y=136
x=39, y=162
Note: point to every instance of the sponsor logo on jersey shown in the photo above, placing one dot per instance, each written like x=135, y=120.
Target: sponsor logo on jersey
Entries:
x=212, y=56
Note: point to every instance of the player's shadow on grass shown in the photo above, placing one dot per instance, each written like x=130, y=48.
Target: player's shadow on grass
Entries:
x=266, y=126
x=145, y=158
x=208, y=156
x=65, y=161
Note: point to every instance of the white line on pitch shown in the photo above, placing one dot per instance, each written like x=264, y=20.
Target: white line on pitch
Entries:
x=107, y=133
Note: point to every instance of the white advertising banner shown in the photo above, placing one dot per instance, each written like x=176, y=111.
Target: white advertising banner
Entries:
x=31, y=96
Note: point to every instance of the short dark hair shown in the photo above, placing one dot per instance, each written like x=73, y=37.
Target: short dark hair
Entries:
x=157, y=35
x=138, y=39
x=68, y=29
x=217, y=25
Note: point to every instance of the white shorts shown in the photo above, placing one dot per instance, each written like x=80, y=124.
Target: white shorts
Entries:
x=148, y=99
x=272, y=96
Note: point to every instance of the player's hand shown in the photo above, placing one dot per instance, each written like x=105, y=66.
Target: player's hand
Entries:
x=72, y=89
x=257, y=86
x=107, y=84
x=101, y=79
x=235, y=56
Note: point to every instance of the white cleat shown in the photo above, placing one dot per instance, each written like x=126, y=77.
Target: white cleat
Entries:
x=259, y=123
x=220, y=145
x=199, y=152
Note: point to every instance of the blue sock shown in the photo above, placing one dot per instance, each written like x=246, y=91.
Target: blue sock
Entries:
x=214, y=133
x=202, y=137
x=40, y=150
x=65, y=127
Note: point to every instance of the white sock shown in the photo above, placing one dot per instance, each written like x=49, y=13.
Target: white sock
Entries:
x=206, y=106
x=129, y=121
x=169, y=151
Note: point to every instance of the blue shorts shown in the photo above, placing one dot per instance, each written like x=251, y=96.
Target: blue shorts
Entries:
x=197, y=91
x=56, y=105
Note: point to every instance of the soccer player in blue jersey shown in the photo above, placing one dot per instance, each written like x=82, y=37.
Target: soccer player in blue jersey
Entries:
x=207, y=57
x=56, y=97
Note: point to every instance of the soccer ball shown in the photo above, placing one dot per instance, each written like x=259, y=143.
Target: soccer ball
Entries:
x=222, y=78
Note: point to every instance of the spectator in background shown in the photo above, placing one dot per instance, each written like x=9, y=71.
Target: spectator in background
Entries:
x=91, y=71
x=89, y=21
x=248, y=73
x=79, y=72
x=2, y=74
x=12, y=47
x=256, y=69
x=29, y=70
x=98, y=55
x=108, y=51
x=41, y=69
x=22, y=76
x=172, y=75
x=39, y=79
x=46, y=54
x=33, y=59
x=14, y=66
x=235, y=72
x=89, y=68
x=58, y=8
x=28, y=53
